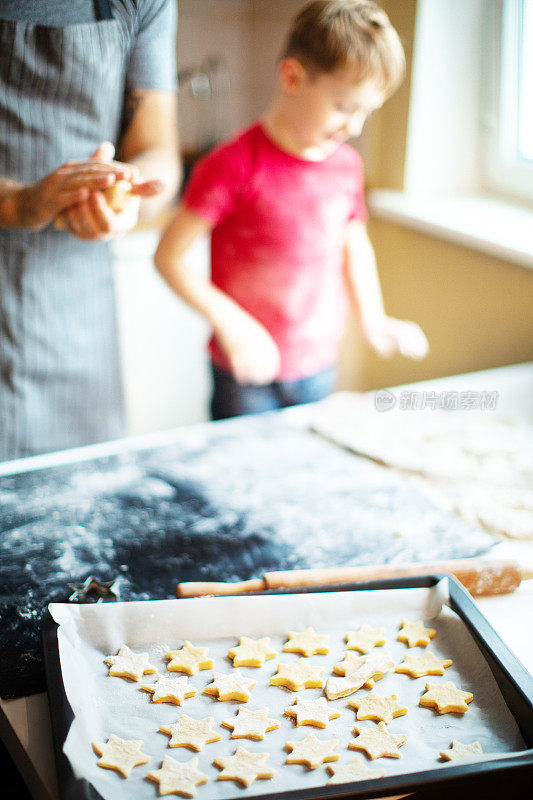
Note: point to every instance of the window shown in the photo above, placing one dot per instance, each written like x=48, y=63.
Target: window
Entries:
x=468, y=165
x=525, y=110
x=508, y=118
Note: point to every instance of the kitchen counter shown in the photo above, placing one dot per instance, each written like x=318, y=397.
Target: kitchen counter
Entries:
x=24, y=722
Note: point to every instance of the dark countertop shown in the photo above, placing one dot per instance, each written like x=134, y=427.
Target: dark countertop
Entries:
x=224, y=501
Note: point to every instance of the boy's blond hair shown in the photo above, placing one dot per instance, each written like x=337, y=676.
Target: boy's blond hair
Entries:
x=331, y=34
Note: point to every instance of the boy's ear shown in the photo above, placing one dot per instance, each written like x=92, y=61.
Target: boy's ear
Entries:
x=292, y=74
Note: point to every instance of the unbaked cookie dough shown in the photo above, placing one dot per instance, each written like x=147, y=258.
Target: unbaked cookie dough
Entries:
x=312, y=712
x=170, y=689
x=295, y=677
x=121, y=755
x=191, y=733
x=377, y=741
x=414, y=634
x=251, y=652
x=365, y=639
x=127, y=664
x=248, y=724
x=307, y=642
x=355, y=770
x=189, y=659
x=381, y=709
x=178, y=777
x=446, y=698
x=244, y=767
x=230, y=687
x=312, y=751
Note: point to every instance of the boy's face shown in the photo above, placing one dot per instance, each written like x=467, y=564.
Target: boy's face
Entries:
x=332, y=107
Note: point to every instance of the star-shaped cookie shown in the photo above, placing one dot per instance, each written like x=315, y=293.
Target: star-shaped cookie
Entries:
x=127, y=664
x=425, y=664
x=381, y=709
x=312, y=751
x=375, y=665
x=298, y=676
x=446, y=698
x=377, y=741
x=312, y=712
x=414, y=634
x=359, y=671
x=251, y=652
x=244, y=767
x=365, y=638
x=189, y=659
x=178, y=777
x=230, y=687
x=307, y=642
x=355, y=770
x=462, y=752
x=248, y=724
x=168, y=689
x=341, y=687
x=120, y=754
x=191, y=733
x=351, y=663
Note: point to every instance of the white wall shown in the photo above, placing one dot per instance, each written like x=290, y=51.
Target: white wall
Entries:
x=163, y=342
x=248, y=34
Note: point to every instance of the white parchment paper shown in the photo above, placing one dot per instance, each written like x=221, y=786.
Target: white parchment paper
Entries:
x=103, y=705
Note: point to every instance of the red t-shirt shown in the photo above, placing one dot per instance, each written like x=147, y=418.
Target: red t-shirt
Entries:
x=276, y=248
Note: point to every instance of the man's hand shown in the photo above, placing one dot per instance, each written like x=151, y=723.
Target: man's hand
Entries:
x=388, y=335
x=94, y=218
x=251, y=351
x=38, y=204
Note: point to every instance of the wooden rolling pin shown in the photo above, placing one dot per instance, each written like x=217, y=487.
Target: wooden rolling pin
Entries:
x=480, y=576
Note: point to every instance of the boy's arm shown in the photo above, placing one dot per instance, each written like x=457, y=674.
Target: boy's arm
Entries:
x=252, y=353
x=384, y=334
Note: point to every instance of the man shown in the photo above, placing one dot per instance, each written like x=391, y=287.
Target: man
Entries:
x=77, y=80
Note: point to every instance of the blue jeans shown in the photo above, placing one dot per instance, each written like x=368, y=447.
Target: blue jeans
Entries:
x=232, y=399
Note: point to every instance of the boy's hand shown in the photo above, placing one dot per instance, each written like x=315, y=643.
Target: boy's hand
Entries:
x=251, y=351
x=389, y=335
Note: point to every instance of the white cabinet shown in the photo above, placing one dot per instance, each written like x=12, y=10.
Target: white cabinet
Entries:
x=163, y=342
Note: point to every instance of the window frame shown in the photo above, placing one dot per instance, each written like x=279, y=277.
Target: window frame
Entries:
x=503, y=172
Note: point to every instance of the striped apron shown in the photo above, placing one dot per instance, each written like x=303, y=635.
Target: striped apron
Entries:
x=61, y=95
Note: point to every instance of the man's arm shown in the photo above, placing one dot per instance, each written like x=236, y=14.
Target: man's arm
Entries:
x=150, y=143
x=384, y=334
x=34, y=206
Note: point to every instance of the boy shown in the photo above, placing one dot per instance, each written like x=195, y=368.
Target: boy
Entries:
x=284, y=203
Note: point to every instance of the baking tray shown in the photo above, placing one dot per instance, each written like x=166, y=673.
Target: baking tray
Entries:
x=514, y=681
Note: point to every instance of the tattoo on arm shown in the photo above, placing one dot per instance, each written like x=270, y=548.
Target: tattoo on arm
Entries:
x=132, y=101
